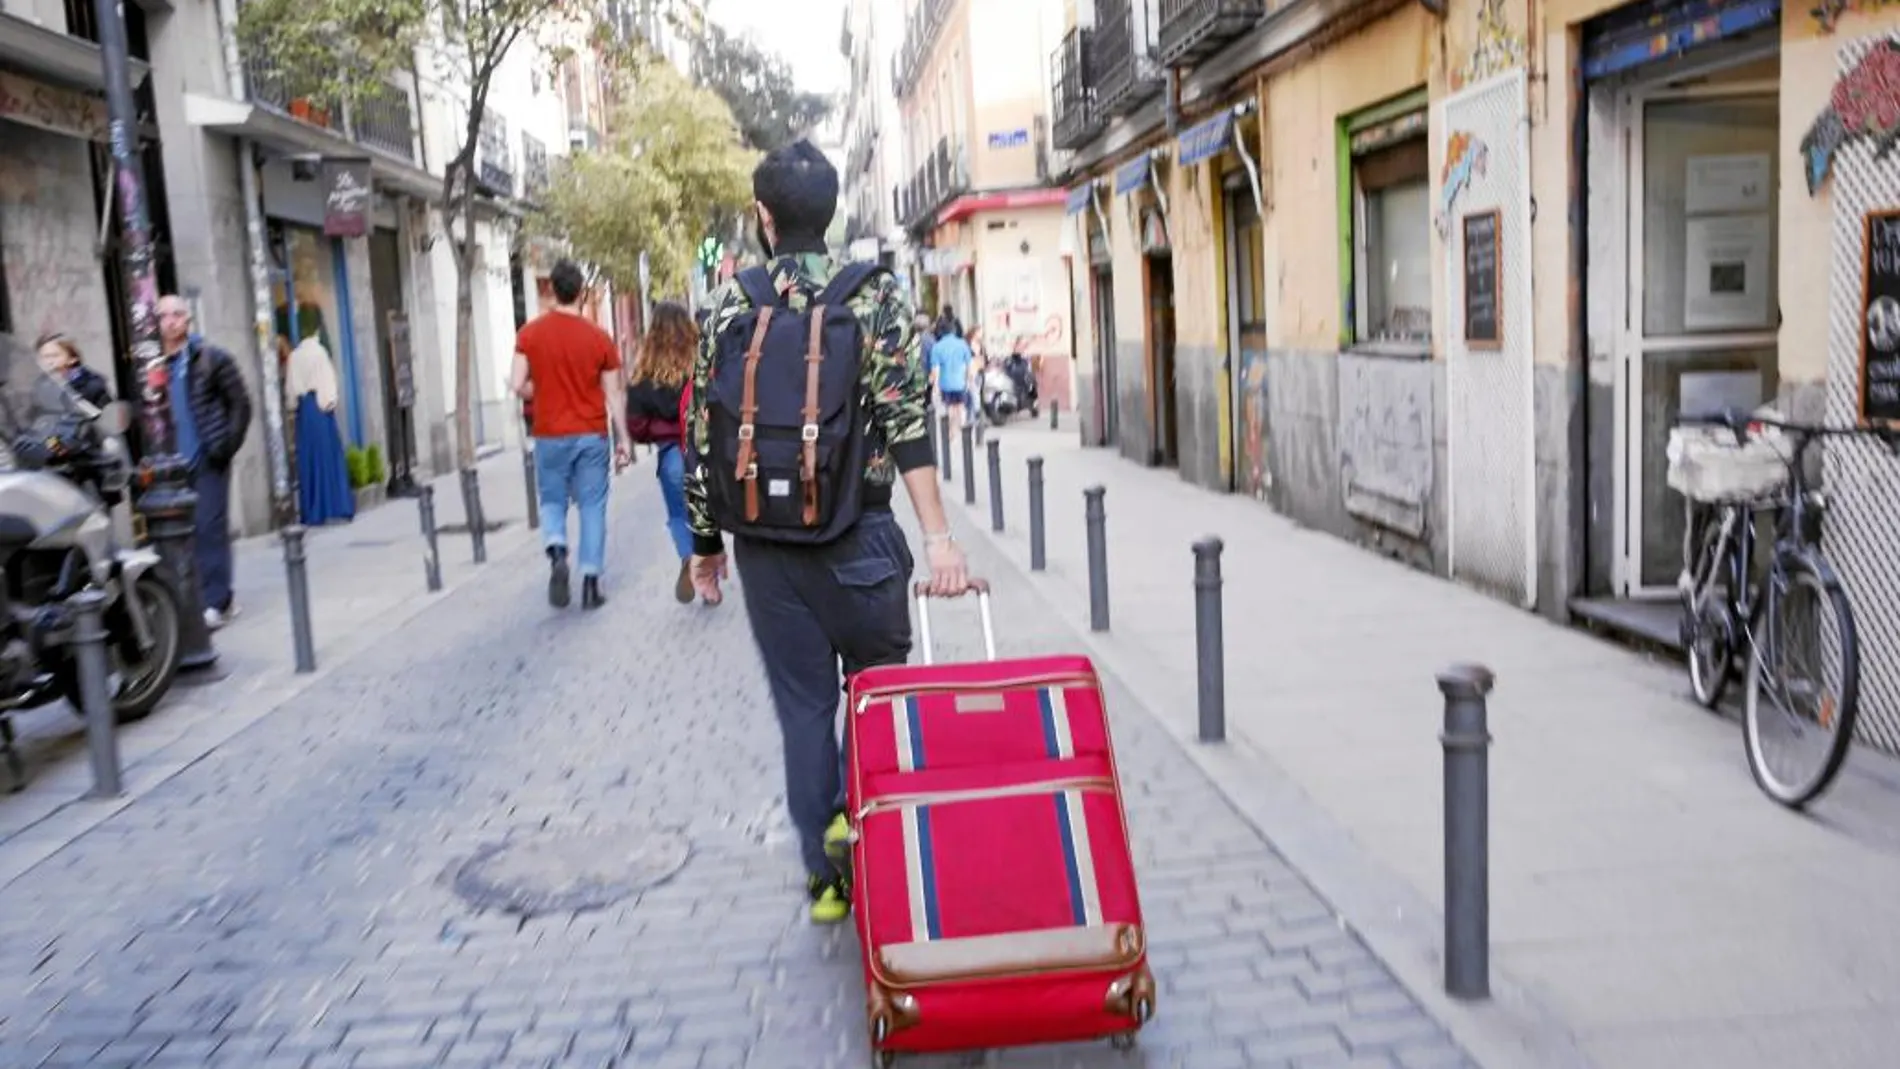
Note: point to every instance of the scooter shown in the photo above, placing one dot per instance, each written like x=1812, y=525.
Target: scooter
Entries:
x=1009, y=389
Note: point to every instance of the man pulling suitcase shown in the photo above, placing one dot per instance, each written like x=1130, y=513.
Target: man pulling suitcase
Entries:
x=809, y=399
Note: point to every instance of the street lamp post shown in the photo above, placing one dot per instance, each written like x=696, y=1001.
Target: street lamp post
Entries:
x=165, y=497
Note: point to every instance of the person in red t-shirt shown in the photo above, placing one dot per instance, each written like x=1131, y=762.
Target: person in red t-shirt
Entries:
x=569, y=368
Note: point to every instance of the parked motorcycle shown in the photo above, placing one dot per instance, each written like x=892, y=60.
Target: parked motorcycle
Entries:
x=1009, y=389
x=63, y=466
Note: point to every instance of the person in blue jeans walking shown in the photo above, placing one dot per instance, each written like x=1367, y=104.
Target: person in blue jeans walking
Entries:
x=654, y=390
x=569, y=368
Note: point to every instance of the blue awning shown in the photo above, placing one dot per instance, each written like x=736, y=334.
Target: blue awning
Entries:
x=1129, y=176
x=1205, y=140
x=1663, y=29
x=1078, y=198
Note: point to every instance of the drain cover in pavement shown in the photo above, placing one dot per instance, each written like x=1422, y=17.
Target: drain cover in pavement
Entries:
x=568, y=872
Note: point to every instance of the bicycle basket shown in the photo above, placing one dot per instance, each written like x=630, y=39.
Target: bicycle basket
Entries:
x=1706, y=464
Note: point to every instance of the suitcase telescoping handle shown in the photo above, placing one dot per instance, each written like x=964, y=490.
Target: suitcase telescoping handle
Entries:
x=981, y=588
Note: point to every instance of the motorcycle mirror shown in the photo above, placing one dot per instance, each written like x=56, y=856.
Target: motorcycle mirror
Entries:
x=115, y=418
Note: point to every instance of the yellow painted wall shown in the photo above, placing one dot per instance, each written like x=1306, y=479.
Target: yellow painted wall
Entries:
x=1194, y=226
x=1303, y=106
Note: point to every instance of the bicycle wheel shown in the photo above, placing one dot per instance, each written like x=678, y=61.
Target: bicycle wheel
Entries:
x=1803, y=683
x=1708, y=634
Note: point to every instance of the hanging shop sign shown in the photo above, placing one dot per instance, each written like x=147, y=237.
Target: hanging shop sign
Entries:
x=346, y=198
x=55, y=110
x=1880, y=320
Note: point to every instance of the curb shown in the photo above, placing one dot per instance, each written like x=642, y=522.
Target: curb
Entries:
x=1513, y=1030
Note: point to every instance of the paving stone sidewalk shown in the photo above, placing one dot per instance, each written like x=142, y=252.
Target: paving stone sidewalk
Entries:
x=291, y=898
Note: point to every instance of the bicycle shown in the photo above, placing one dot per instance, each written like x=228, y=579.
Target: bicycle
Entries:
x=1727, y=608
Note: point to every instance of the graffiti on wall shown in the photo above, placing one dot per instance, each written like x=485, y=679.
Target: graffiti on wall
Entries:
x=1466, y=157
x=1828, y=13
x=1253, y=419
x=1015, y=319
x=54, y=276
x=1496, y=47
x=1865, y=104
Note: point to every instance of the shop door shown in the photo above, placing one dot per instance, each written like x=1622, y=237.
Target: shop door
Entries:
x=1246, y=342
x=1108, y=393
x=1167, y=439
x=398, y=372
x=1703, y=310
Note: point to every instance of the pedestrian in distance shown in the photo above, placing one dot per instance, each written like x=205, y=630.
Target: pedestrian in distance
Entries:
x=211, y=413
x=950, y=360
x=809, y=402
x=655, y=388
x=569, y=368
x=59, y=357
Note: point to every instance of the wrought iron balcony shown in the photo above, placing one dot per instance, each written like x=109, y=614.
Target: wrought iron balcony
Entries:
x=534, y=167
x=920, y=34
x=944, y=175
x=1192, y=30
x=494, y=161
x=1127, y=65
x=384, y=121
x=1073, y=88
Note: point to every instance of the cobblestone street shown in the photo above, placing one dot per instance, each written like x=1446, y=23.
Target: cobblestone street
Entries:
x=291, y=898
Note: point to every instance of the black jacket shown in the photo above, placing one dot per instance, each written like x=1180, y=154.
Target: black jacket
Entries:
x=220, y=405
x=90, y=386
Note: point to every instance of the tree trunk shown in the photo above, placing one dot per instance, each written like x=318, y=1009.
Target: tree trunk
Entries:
x=464, y=213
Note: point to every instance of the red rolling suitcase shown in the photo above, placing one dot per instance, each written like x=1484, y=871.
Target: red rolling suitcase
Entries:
x=994, y=887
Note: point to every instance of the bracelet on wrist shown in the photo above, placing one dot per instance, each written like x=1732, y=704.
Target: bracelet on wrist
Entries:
x=939, y=539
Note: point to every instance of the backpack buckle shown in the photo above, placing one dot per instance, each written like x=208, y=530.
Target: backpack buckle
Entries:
x=752, y=471
x=745, y=432
x=808, y=433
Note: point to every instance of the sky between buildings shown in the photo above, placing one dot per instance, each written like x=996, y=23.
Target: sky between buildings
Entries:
x=804, y=32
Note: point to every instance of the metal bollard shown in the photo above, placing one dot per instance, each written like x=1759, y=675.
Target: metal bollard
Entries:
x=969, y=467
x=943, y=439
x=1055, y=421
x=1097, y=516
x=431, y=555
x=472, y=506
x=1210, y=656
x=534, y=489
x=1467, y=740
x=95, y=699
x=297, y=571
x=996, y=484
x=1038, y=555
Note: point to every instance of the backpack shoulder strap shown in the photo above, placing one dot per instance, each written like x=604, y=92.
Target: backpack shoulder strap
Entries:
x=756, y=284
x=849, y=280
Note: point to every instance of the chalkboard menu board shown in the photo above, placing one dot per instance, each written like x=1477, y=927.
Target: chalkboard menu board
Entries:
x=1880, y=320
x=1484, y=311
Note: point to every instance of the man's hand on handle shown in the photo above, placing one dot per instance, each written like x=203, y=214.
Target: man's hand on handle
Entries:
x=949, y=572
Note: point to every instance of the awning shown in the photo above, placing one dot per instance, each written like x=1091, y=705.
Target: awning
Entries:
x=1078, y=199
x=1663, y=29
x=33, y=49
x=997, y=202
x=1130, y=176
x=1205, y=140
x=238, y=118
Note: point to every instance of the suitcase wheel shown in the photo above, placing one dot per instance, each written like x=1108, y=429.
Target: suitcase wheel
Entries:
x=1123, y=1041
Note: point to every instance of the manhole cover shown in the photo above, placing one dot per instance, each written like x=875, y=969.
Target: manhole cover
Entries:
x=568, y=872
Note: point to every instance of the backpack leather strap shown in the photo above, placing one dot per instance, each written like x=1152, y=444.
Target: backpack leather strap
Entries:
x=808, y=434
x=747, y=469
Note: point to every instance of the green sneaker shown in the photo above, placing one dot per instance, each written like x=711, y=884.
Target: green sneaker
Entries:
x=838, y=844
x=830, y=899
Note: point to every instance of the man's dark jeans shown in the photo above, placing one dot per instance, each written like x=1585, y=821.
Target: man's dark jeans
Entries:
x=813, y=608
x=212, y=537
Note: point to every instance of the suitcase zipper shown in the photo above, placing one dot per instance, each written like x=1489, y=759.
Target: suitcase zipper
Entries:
x=1043, y=680
x=983, y=794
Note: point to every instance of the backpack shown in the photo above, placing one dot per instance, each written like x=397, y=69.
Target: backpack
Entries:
x=787, y=450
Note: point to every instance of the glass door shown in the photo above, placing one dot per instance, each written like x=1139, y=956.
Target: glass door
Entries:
x=1703, y=309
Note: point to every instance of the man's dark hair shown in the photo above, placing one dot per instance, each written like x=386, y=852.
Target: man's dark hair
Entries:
x=568, y=281
x=800, y=188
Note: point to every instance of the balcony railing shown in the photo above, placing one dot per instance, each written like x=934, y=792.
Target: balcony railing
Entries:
x=494, y=162
x=920, y=34
x=383, y=121
x=1073, y=88
x=944, y=175
x=1127, y=62
x=1192, y=30
x=1041, y=134
x=534, y=167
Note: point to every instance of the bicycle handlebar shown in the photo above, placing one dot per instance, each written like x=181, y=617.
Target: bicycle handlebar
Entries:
x=1741, y=422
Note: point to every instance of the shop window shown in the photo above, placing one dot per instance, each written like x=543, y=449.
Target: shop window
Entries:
x=1387, y=225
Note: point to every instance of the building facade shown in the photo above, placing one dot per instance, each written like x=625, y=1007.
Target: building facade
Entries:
x=873, y=160
x=244, y=181
x=1438, y=278
x=979, y=201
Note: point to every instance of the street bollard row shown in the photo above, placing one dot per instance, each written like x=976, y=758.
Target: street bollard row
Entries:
x=1210, y=654
x=95, y=694
x=995, y=450
x=534, y=495
x=297, y=572
x=1095, y=514
x=431, y=554
x=943, y=442
x=969, y=467
x=1038, y=557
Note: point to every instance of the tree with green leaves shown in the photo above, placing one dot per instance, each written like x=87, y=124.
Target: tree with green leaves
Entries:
x=343, y=51
x=758, y=87
x=670, y=168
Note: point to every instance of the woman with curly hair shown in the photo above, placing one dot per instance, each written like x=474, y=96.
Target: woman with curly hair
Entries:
x=654, y=387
